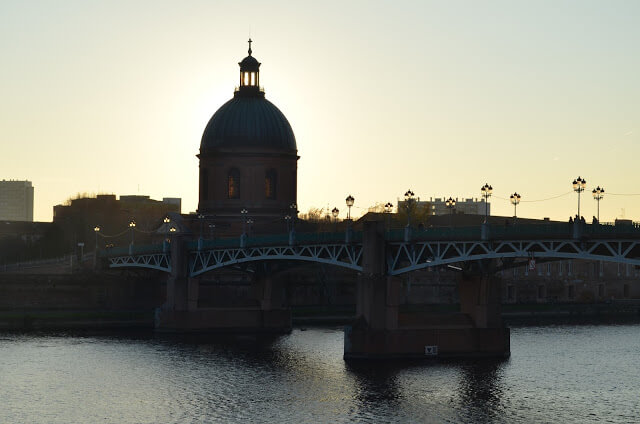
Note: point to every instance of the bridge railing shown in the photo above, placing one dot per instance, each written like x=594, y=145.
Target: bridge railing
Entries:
x=136, y=249
x=551, y=230
x=560, y=230
x=274, y=240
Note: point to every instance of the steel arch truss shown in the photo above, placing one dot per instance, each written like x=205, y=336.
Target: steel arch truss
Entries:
x=347, y=256
x=158, y=261
x=405, y=257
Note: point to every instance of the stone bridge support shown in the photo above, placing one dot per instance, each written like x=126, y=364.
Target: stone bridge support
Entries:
x=381, y=330
x=181, y=312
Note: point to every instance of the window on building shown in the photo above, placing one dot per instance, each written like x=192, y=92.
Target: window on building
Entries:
x=510, y=292
x=270, y=181
x=571, y=291
x=233, y=184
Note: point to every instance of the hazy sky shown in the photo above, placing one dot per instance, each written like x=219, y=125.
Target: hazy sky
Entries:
x=436, y=96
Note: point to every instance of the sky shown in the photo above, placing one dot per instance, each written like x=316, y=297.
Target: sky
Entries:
x=439, y=97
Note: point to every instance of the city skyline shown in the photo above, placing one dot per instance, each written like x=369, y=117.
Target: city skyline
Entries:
x=439, y=98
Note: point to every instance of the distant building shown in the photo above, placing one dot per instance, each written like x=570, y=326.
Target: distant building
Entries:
x=16, y=200
x=79, y=218
x=468, y=206
x=438, y=206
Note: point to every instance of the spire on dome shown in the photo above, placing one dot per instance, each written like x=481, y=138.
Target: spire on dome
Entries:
x=250, y=46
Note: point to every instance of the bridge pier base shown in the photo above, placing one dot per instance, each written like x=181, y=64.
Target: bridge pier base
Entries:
x=381, y=331
x=181, y=313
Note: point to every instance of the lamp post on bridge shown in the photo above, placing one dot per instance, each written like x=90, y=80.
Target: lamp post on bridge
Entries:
x=250, y=224
x=388, y=208
x=408, y=200
x=287, y=219
x=201, y=219
x=294, y=215
x=578, y=186
x=243, y=237
x=515, y=199
x=96, y=230
x=450, y=203
x=334, y=212
x=598, y=194
x=243, y=214
x=486, y=191
x=350, y=201
x=132, y=226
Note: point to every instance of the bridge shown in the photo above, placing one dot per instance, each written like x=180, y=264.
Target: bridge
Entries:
x=381, y=255
x=405, y=250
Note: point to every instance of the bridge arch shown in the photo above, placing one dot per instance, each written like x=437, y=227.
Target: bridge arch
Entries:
x=343, y=255
x=407, y=257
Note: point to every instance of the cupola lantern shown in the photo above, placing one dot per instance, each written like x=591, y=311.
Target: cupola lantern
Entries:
x=249, y=73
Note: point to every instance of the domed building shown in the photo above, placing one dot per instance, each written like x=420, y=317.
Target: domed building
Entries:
x=248, y=155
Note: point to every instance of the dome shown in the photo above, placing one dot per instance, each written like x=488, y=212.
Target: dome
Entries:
x=248, y=121
x=249, y=63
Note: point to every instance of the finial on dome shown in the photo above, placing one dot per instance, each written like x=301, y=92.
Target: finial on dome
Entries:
x=250, y=46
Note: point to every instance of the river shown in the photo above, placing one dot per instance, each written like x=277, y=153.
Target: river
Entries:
x=583, y=374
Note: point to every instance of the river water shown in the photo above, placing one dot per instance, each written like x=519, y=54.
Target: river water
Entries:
x=555, y=374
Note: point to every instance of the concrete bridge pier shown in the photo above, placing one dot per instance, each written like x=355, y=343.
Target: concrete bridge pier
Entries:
x=181, y=313
x=382, y=331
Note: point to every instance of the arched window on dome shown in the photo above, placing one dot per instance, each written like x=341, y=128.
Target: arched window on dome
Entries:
x=270, y=182
x=233, y=184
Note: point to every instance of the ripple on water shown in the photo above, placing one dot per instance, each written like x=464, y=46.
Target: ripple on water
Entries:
x=555, y=374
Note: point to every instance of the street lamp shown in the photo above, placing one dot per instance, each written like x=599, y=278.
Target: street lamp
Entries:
x=294, y=215
x=96, y=230
x=132, y=225
x=388, y=208
x=515, y=199
x=578, y=186
x=244, y=213
x=201, y=219
x=408, y=200
x=287, y=219
x=212, y=229
x=598, y=194
x=450, y=203
x=166, y=222
x=249, y=223
x=349, y=201
x=486, y=191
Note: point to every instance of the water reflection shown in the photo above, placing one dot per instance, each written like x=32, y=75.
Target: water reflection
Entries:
x=376, y=386
x=481, y=390
x=553, y=376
